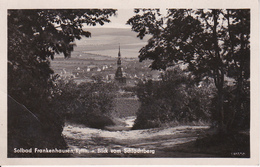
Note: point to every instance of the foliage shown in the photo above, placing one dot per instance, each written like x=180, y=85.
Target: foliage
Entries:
x=213, y=43
x=86, y=103
x=125, y=107
x=234, y=119
x=34, y=37
x=175, y=98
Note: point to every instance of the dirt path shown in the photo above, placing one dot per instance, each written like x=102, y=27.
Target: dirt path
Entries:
x=131, y=143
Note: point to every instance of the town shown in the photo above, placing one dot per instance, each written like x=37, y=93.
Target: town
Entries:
x=88, y=67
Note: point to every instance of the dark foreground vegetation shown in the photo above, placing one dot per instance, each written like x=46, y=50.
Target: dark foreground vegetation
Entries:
x=212, y=45
x=176, y=98
x=179, y=100
x=89, y=104
x=34, y=37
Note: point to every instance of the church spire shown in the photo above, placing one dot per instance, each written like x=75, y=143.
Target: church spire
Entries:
x=119, y=57
x=119, y=74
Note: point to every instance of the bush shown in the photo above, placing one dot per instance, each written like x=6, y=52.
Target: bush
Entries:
x=176, y=98
x=236, y=109
x=92, y=120
x=87, y=103
x=33, y=121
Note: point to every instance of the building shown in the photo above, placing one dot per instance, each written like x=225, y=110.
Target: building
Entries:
x=119, y=74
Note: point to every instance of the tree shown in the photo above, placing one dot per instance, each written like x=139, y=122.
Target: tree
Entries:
x=238, y=45
x=86, y=103
x=34, y=37
x=214, y=43
x=176, y=98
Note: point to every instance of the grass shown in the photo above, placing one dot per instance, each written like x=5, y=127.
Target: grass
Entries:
x=125, y=107
x=235, y=145
x=179, y=123
x=91, y=120
x=226, y=145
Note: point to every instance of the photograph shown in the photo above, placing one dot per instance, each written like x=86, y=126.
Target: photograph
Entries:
x=129, y=83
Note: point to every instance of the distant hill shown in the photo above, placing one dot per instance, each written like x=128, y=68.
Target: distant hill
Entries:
x=102, y=50
x=105, y=41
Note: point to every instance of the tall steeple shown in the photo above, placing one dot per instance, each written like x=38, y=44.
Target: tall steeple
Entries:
x=119, y=74
x=119, y=57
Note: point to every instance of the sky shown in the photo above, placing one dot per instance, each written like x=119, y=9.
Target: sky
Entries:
x=118, y=21
x=105, y=39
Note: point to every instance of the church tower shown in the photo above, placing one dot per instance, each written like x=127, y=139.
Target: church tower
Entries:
x=119, y=74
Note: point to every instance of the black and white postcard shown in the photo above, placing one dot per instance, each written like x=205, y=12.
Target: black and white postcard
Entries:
x=129, y=82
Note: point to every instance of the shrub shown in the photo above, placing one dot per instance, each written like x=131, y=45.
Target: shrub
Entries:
x=236, y=114
x=176, y=98
x=87, y=103
x=32, y=119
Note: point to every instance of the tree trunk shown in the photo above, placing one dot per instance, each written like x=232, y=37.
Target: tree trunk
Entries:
x=219, y=74
x=240, y=68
